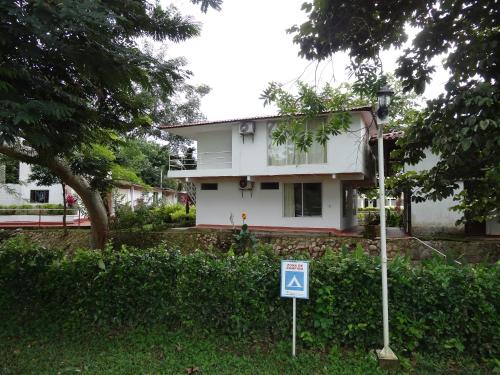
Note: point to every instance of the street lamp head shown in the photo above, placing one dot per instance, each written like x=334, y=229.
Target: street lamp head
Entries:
x=384, y=95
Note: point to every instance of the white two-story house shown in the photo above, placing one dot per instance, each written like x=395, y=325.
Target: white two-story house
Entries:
x=239, y=168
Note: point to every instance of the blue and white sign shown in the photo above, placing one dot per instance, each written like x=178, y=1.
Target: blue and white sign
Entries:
x=295, y=279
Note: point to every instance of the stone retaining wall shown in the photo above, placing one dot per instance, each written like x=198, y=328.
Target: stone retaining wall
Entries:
x=283, y=244
x=287, y=244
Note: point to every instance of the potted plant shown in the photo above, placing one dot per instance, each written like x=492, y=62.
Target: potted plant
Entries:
x=371, y=224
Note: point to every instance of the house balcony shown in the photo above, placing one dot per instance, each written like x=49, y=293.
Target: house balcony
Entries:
x=201, y=164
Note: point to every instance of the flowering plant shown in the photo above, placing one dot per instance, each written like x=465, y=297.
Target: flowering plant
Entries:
x=70, y=200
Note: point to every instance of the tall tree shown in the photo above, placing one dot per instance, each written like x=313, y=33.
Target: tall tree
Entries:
x=145, y=158
x=462, y=125
x=308, y=102
x=72, y=77
x=181, y=107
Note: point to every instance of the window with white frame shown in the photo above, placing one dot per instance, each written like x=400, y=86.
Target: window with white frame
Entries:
x=302, y=199
x=288, y=154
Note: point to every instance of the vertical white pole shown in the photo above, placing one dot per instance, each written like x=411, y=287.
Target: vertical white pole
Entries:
x=294, y=325
x=132, y=198
x=383, y=249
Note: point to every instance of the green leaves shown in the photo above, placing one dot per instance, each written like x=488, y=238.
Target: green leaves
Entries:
x=69, y=70
x=299, y=112
x=435, y=307
x=329, y=109
x=101, y=265
x=461, y=126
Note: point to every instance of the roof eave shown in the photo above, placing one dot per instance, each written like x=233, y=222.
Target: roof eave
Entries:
x=258, y=118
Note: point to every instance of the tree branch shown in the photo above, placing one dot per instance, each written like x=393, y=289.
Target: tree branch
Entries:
x=20, y=155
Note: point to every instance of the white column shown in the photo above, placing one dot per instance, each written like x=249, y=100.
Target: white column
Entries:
x=386, y=352
x=132, y=198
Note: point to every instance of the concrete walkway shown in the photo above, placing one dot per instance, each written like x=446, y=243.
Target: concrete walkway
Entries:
x=42, y=221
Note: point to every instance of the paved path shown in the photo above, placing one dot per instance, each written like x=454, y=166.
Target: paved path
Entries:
x=43, y=221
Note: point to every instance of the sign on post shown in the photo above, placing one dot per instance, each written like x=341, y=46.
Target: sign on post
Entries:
x=294, y=284
x=295, y=279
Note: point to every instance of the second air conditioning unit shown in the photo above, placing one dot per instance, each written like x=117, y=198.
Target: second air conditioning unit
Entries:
x=245, y=184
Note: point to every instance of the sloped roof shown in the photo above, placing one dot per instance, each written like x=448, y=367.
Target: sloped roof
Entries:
x=203, y=123
x=391, y=136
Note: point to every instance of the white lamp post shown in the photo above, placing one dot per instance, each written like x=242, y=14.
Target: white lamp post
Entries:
x=386, y=356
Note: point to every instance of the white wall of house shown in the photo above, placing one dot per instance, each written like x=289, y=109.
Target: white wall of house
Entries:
x=134, y=195
x=21, y=192
x=266, y=207
x=430, y=216
x=225, y=157
x=214, y=150
x=493, y=227
x=170, y=198
x=436, y=216
x=346, y=153
x=122, y=195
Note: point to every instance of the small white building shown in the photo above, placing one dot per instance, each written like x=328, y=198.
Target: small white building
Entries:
x=436, y=217
x=25, y=192
x=240, y=169
x=133, y=194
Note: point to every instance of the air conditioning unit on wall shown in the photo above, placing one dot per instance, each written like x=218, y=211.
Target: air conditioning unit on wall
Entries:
x=246, y=185
x=247, y=128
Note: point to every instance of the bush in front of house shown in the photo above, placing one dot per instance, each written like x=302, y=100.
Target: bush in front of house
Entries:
x=436, y=307
x=153, y=217
x=179, y=215
x=36, y=209
x=393, y=218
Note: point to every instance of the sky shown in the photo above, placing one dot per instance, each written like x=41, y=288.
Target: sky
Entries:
x=245, y=46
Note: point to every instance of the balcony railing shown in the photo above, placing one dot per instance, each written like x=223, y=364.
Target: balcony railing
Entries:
x=202, y=160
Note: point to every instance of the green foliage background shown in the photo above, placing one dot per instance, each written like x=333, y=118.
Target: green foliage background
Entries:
x=435, y=307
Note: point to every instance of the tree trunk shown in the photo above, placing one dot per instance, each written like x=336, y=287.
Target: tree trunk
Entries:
x=92, y=201
x=91, y=198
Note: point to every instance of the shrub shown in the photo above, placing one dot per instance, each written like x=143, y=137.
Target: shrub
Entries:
x=180, y=215
x=436, y=307
x=35, y=209
x=370, y=215
x=152, y=217
x=163, y=213
x=244, y=240
x=393, y=218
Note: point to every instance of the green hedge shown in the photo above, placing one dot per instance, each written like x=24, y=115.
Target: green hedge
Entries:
x=153, y=217
x=392, y=217
x=35, y=209
x=436, y=307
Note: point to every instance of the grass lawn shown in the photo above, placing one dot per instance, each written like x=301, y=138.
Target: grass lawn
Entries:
x=159, y=351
